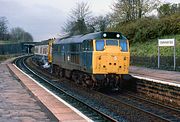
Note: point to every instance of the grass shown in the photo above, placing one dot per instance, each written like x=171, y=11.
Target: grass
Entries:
x=7, y=42
x=150, y=48
x=5, y=57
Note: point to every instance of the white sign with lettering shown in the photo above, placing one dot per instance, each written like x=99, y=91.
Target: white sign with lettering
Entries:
x=166, y=42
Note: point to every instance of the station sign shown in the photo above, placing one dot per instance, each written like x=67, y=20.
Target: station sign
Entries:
x=166, y=42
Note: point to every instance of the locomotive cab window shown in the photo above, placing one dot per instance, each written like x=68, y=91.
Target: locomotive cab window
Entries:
x=99, y=45
x=123, y=45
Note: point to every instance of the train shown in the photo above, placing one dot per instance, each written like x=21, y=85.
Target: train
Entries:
x=95, y=60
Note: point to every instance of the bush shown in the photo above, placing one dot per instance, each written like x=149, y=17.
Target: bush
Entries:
x=145, y=29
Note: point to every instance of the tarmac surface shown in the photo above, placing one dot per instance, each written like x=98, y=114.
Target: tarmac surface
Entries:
x=16, y=103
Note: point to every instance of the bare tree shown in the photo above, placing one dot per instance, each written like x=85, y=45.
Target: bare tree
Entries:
x=100, y=23
x=81, y=11
x=127, y=10
x=3, y=28
x=19, y=35
x=78, y=19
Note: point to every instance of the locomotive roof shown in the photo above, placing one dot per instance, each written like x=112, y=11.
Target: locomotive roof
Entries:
x=90, y=36
x=44, y=42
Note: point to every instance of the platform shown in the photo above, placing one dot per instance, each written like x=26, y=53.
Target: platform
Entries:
x=169, y=77
x=63, y=111
x=16, y=103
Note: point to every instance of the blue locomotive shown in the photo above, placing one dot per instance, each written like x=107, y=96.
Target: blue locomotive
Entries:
x=94, y=60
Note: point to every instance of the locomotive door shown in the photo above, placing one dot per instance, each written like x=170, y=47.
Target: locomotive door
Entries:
x=84, y=60
x=87, y=54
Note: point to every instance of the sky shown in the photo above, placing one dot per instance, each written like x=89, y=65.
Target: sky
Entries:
x=43, y=19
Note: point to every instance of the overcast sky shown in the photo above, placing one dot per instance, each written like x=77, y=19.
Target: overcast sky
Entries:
x=44, y=18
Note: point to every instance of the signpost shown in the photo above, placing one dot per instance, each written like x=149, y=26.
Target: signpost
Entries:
x=167, y=43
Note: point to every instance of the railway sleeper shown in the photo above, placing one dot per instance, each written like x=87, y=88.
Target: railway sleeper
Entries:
x=161, y=96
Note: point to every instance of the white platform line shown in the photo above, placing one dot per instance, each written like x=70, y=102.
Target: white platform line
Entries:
x=67, y=104
x=157, y=81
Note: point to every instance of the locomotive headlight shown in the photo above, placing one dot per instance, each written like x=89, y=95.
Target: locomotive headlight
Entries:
x=118, y=35
x=104, y=35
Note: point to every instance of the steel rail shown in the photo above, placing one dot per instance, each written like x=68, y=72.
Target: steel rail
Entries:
x=152, y=102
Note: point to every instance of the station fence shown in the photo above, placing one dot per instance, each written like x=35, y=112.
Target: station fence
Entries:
x=6, y=49
x=17, y=48
x=166, y=62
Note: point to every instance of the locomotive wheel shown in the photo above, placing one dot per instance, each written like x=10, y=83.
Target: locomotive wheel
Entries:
x=76, y=77
x=61, y=73
x=55, y=70
x=88, y=82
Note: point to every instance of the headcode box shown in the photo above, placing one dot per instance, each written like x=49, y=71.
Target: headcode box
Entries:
x=166, y=42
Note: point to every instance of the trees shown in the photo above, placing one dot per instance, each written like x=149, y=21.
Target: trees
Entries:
x=81, y=22
x=168, y=9
x=28, y=37
x=127, y=10
x=78, y=19
x=100, y=23
x=19, y=35
x=3, y=28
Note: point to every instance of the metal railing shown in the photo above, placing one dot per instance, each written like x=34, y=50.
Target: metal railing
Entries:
x=166, y=62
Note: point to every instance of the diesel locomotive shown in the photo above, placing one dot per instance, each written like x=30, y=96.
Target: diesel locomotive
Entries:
x=94, y=60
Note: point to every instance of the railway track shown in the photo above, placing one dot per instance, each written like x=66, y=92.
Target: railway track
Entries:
x=89, y=111
x=154, y=103
x=154, y=109
x=121, y=106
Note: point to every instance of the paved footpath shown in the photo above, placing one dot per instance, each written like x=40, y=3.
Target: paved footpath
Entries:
x=16, y=103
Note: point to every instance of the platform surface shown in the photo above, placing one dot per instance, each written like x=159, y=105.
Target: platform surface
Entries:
x=63, y=111
x=168, y=76
x=16, y=104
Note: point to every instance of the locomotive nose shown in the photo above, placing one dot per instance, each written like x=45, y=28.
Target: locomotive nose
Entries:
x=111, y=63
x=108, y=63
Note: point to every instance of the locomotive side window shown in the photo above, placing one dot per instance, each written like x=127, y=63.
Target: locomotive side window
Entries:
x=87, y=45
x=59, y=48
x=123, y=44
x=99, y=45
x=36, y=49
x=55, y=48
x=112, y=42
